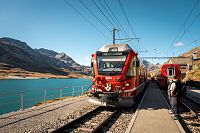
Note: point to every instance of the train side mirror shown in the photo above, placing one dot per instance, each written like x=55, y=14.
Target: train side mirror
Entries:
x=92, y=64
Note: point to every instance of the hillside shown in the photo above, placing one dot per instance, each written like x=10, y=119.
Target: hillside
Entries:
x=189, y=53
x=193, y=75
x=17, y=54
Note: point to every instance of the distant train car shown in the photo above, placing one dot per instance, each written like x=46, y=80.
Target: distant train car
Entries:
x=118, y=76
x=167, y=71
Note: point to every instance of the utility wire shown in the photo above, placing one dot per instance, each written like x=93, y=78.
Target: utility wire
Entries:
x=189, y=26
x=102, y=13
x=183, y=27
x=108, y=13
x=119, y=24
x=94, y=15
x=86, y=19
x=121, y=6
x=126, y=18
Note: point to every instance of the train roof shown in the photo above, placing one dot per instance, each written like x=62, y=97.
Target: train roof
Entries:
x=115, y=48
x=164, y=66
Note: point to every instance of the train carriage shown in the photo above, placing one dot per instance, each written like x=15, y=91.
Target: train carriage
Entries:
x=167, y=71
x=117, y=76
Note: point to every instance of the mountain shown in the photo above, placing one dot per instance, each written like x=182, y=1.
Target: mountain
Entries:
x=63, y=60
x=147, y=64
x=18, y=54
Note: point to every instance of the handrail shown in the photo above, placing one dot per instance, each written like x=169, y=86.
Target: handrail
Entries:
x=25, y=99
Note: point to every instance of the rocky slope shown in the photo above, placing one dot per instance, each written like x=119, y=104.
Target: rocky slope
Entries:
x=20, y=55
x=62, y=60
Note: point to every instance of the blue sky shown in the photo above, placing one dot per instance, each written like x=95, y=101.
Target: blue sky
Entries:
x=53, y=24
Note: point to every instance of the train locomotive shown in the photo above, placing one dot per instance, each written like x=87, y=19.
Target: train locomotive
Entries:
x=167, y=71
x=117, y=76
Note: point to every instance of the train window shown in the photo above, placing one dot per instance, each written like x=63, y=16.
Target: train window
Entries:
x=132, y=69
x=138, y=63
x=171, y=71
x=115, y=49
x=92, y=68
x=91, y=64
x=110, y=64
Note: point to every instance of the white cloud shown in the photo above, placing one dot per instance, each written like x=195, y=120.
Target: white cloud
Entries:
x=85, y=61
x=178, y=44
x=87, y=58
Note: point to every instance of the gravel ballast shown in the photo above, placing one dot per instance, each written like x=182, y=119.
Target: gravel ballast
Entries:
x=44, y=118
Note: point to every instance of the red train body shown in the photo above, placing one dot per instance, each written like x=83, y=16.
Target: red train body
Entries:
x=117, y=75
x=167, y=71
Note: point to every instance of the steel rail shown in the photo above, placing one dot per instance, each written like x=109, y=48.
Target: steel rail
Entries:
x=101, y=125
x=194, y=113
x=75, y=121
x=98, y=128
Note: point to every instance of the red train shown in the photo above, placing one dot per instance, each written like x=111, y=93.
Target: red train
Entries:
x=167, y=71
x=118, y=76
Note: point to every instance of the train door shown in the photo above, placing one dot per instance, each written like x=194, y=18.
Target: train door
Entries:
x=171, y=72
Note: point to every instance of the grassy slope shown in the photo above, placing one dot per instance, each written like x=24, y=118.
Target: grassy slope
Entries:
x=7, y=72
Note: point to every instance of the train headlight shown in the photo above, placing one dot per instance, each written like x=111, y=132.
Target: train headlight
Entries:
x=108, y=87
x=127, y=84
x=99, y=90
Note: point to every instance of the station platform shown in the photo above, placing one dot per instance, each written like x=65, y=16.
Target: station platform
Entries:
x=152, y=114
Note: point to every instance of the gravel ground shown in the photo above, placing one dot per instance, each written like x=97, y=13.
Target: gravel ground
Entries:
x=192, y=124
x=121, y=123
x=44, y=118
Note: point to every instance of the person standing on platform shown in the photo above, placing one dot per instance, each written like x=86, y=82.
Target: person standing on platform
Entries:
x=175, y=88
x=169, y=95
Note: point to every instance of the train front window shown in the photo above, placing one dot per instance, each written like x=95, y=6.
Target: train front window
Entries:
x=171, y=71
x=110, y=65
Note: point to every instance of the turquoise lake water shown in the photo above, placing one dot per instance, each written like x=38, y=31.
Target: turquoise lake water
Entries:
x=36, y=90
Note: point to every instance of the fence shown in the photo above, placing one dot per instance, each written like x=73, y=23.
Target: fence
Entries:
x=21, y=100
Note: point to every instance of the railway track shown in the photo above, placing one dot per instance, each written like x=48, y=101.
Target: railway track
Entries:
x=102, y=119
x=192, y=106
x=92, y=121
x=189, y=114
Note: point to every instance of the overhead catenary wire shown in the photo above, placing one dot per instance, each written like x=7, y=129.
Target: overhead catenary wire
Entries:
x=108, y=14
x=119, y=24
x=182, y=28
x=127, y=18
x=86, y=19
x=94, y=15
x=194, y=20
x=182, y=35
x=103, y=13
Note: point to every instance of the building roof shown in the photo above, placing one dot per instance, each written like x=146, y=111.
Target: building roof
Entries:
x=180, y=61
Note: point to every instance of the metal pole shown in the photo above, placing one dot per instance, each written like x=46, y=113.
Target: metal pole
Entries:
x=45, y=93
x=114, y=35
x=82, y=89
x=192, y=61
x=61, y=92
x=73, y=91
x=22, y=100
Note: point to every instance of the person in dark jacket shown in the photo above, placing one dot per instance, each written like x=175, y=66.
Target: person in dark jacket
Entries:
x=169, y=95
x=174, y=93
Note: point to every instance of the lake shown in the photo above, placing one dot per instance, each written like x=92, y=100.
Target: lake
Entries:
x=18, y=93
